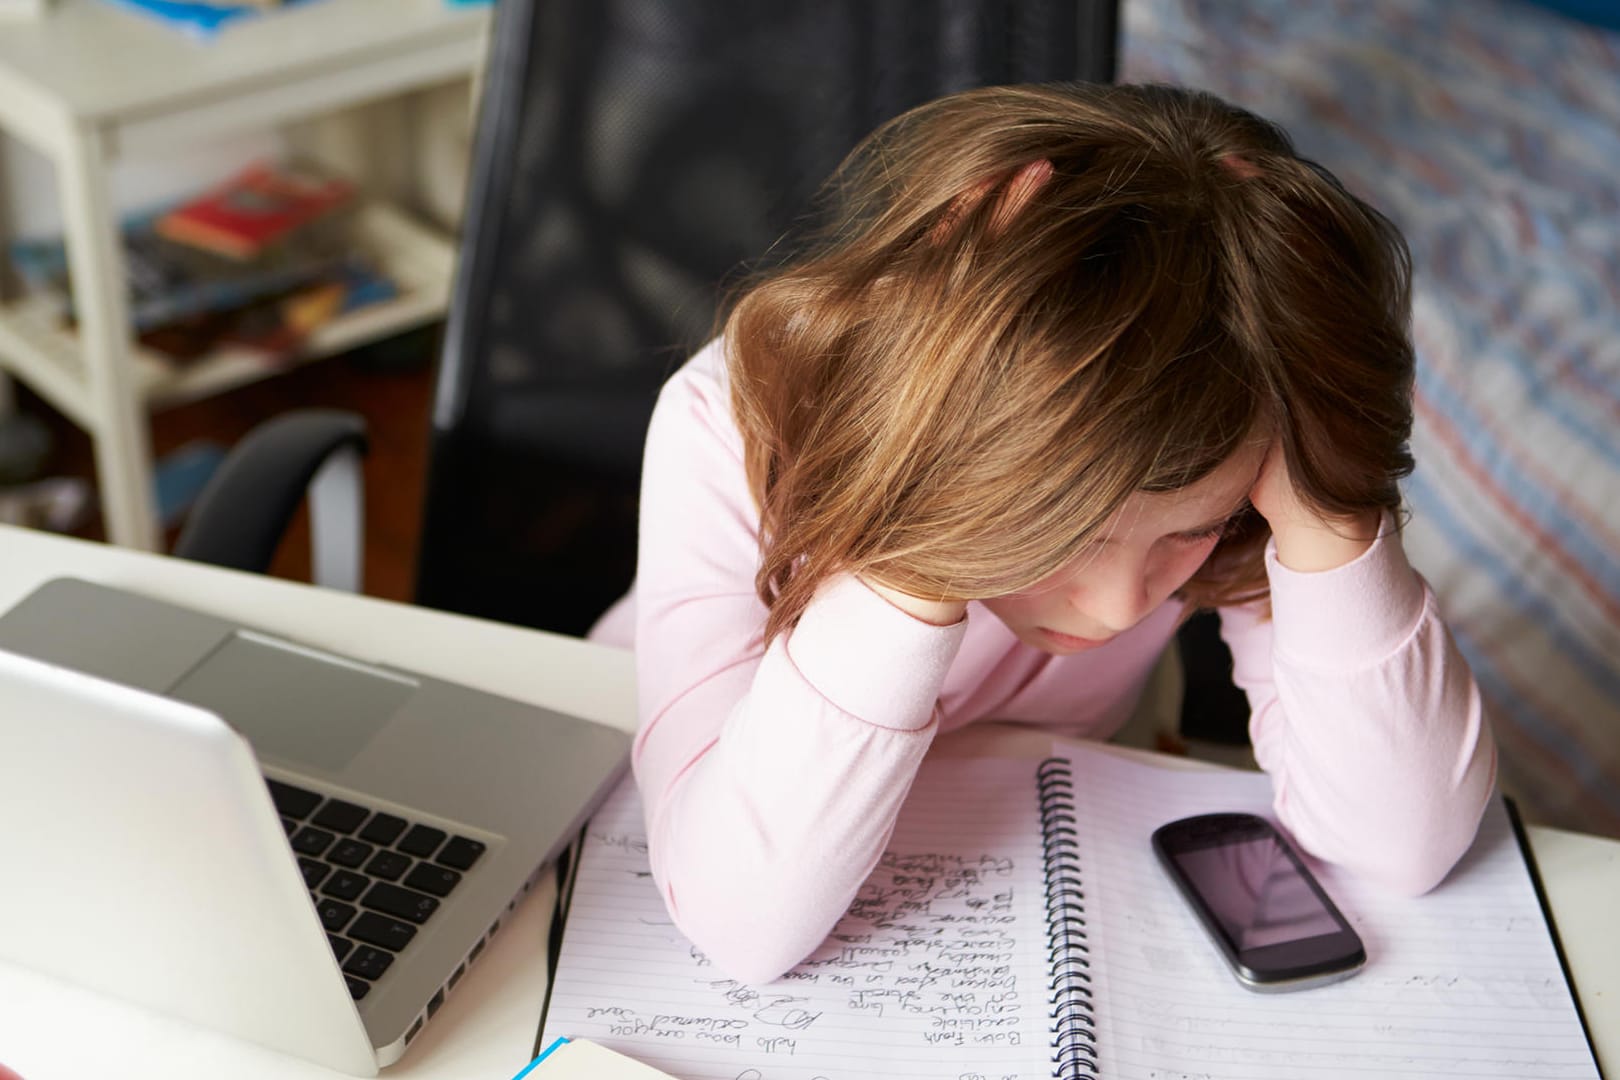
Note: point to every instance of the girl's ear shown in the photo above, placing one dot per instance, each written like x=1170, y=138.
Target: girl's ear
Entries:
x=1014, y=197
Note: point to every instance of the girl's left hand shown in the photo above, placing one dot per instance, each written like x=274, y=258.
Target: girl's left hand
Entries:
x=1307, y=541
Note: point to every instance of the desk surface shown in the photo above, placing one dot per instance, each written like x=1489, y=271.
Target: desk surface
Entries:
x=49, y=1031
x=486, y=1030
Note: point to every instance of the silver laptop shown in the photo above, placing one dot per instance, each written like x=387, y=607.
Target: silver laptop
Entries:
x=325, y=913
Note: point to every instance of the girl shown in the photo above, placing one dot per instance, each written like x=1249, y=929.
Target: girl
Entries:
x=1074, y=362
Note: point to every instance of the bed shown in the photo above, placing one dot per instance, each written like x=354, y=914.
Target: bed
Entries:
x=1490, y=133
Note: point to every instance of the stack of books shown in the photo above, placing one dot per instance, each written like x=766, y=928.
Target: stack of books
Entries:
x=201, y=18
x=261, y=261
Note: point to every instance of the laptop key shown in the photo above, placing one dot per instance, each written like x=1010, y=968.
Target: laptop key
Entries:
x=383, y=829
x=422, y=840
x=437, y=880
x=313, y=871
x=403, y=903
x=346, y=885
x=293, y=802
x=311, y=841
x=388, y=865
x=350, y=853
x=340, y=946
x=357, y=989
x=340, y=816
x=380, y=930
x=335, y=915
x=368, y=963
x=289, y=825
x=460, y=853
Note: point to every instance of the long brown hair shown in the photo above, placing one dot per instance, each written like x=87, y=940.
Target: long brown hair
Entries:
x=952, y=398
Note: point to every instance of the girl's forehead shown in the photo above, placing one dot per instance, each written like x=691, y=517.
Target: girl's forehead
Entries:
x=1206, y=502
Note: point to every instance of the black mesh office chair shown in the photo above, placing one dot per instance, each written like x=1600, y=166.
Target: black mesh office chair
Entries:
x=632, y=156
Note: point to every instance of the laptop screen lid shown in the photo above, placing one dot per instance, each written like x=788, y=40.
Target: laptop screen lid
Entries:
x=463, y=797
x=154, y=866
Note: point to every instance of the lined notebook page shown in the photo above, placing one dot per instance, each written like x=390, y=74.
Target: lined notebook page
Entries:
x=937, y=971
x=1463, y=982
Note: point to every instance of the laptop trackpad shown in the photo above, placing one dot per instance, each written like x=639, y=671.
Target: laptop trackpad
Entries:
x=294, y=703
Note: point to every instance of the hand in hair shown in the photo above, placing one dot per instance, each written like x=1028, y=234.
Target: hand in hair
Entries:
x=1307, y=540
x=940, y=612
x=1019, y=190
x=1015, y=195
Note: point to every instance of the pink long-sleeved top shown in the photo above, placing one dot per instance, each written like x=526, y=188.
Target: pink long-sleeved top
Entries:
x=772, y=777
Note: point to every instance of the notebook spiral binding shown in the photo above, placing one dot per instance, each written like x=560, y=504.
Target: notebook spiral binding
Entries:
x=1068, y=958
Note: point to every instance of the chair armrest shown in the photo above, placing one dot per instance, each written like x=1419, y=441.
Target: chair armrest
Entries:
x=243, y=512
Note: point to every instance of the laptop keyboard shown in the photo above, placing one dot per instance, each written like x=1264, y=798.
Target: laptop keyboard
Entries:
x=374, y=877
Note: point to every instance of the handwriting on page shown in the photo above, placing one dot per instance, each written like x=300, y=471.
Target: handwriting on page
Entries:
x=922, y=978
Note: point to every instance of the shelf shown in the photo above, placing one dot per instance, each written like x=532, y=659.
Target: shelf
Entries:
x=89, y=63
x=419, y=260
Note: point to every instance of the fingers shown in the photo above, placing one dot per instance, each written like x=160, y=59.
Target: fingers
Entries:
x=935, y=612
x=1238, y=166
x=959, y=208
x=1019, y=190
x=1025, y=183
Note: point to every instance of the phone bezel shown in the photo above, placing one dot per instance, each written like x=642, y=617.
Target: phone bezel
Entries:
x=1313, y=961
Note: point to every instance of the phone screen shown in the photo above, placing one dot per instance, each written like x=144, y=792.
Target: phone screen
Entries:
x=1257, y=893
x=1276, y=926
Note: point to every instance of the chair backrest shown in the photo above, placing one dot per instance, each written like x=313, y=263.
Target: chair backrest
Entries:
x=631, y=156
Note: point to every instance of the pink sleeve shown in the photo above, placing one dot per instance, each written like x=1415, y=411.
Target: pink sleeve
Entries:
x=771, y=780
x=1366, y=717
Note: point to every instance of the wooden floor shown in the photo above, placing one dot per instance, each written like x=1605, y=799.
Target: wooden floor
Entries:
x=390, y=384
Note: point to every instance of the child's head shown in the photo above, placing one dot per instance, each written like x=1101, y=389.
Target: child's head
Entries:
x=1040, y=306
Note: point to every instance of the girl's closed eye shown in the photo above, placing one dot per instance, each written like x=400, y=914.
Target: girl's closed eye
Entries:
x=1200, y=536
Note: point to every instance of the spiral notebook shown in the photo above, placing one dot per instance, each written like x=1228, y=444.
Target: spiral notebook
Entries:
x=960, y=959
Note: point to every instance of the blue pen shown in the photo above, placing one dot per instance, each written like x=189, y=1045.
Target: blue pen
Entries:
x=529, y=1068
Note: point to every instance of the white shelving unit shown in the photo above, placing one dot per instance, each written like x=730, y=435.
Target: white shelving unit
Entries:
x=47, y=355
x=89, y=82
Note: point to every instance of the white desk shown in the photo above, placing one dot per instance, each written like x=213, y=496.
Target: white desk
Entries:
x=53, y=1032
x=87, y=83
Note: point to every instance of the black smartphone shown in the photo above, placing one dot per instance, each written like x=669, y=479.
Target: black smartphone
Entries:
x=1270, y=918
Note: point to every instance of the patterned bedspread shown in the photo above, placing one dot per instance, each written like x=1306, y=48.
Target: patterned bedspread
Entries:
x=1490, y=132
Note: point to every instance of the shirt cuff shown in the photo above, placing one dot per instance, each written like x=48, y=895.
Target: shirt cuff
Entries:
x=869, y=658
x=1350, y=617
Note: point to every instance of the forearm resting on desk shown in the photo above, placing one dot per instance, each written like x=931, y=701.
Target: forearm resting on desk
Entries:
x=763, y=827
x=1367, y=718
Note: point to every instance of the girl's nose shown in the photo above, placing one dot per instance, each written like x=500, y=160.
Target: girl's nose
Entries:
x=1115, y=598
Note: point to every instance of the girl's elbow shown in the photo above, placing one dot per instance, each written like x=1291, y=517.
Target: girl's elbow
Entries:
x=1404, y=862
x=752, y=935
x=1416, y=854
x=1445, y=827
x=1423, y=824
x=1404, y=845
x=1413, y=872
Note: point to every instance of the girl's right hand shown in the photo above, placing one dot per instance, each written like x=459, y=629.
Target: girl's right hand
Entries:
x=934, y=612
